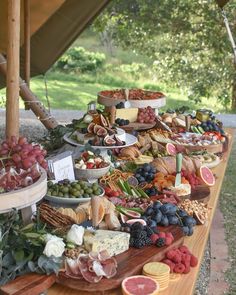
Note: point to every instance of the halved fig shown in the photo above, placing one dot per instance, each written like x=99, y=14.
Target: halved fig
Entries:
x=101, y=132
x=118, y=141
x=198, y=218
x=96, y=128
x=103, y=121
x=91, y=127
x=109, y=141
x=110, y=131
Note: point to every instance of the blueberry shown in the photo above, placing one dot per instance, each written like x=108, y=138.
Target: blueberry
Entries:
x=164, y=221
x=190, y=228
x=172, y=210
x=157, y=205
x=182, y=213
x=157, y=217
x=142, y=179
x=149, y=211
x=126, y=122
x=146, y=168
x=185, y=230
x=173, y=220
x=189, y=221
x=139, y=170
x=165, y=208
x=145, y=174
x=137, y=175
x=152, y=223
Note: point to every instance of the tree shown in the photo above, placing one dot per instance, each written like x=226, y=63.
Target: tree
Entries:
x=186, y=40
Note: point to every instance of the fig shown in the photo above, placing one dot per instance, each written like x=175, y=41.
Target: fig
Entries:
x=110, y=131
x=96, y=128
x=101, y=132
x=103, y=120
x=131, y=221
x=200, y=219
x=91, y=127
x=123, y=218
x=118, y=141
x=109, y=141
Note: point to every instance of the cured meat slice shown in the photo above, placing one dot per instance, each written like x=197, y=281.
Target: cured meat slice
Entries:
x=103, y=255
x=89, y=276
x=109, y=267
x=72, y=268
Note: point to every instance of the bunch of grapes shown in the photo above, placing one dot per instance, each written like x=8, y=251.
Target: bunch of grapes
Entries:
x=146, y=115
x=20, y=154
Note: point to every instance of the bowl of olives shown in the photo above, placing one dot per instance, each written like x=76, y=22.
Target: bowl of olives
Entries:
x=70, y=193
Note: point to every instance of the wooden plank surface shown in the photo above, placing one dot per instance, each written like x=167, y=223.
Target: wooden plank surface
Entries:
x=130, y=263
x=196, y=244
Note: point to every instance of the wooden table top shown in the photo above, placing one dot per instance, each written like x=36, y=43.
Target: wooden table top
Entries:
x=196, y=243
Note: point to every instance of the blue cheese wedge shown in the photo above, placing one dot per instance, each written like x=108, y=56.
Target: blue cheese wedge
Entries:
x=114, y=242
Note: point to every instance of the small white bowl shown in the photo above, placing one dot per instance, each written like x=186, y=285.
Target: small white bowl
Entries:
x=91, y=173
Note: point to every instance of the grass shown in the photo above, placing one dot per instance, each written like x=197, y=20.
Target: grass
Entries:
x=228, y=208
x=75, y=91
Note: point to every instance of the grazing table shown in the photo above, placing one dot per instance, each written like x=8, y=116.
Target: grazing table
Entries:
x=34, y=283
x=196, y=243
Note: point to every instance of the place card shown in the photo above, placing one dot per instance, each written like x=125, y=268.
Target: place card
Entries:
x=61, y=166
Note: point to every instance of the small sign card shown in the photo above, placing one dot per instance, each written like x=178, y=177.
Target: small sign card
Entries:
x=61, y=166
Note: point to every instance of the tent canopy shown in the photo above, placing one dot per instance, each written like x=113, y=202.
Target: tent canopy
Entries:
x=54, y=24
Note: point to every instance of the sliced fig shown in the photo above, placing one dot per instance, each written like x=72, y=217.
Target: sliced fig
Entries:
x=110, y=131
x=132, y=214
x=109, y=141
x=200, y=219
x=103, y=121
x=96, y=128
x=118, y=141
x=91, y=127
x=101, y=132
x=131, y=221
x=98, y=141
x=123, y=218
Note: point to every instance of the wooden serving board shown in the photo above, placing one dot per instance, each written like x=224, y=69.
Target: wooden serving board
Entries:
x=211, y=148
x=138, y=126
x=130, y=263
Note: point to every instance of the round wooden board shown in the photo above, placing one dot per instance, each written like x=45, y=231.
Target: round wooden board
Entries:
x=200, y=193
x=134, y=103
x=24, y=197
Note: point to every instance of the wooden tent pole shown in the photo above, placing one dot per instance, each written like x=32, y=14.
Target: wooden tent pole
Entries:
x=27, y=45
x=13, y=55
x=28, y=96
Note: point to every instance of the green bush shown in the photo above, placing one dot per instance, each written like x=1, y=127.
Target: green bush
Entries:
x=78, y=60
x=135, y=70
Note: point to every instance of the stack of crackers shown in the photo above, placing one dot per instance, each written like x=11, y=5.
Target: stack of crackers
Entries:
x=159, y=272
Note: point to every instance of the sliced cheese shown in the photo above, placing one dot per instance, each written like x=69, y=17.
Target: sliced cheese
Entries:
x=114, y=242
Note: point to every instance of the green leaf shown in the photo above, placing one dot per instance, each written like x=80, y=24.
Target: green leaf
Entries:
x=18, y=255
x=32, y=235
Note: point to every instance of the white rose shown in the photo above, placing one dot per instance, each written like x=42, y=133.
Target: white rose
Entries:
x=54, y=246
x=75, y=234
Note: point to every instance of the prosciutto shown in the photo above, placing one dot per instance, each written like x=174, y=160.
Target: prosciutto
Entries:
x=92, y=267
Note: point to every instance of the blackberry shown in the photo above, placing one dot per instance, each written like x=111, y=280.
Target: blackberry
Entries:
x=149, y=231
x=131, y=241
x=139, y=234
x=139, y=243
x=160, y=242
x=137, y=226
x=148, y=241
